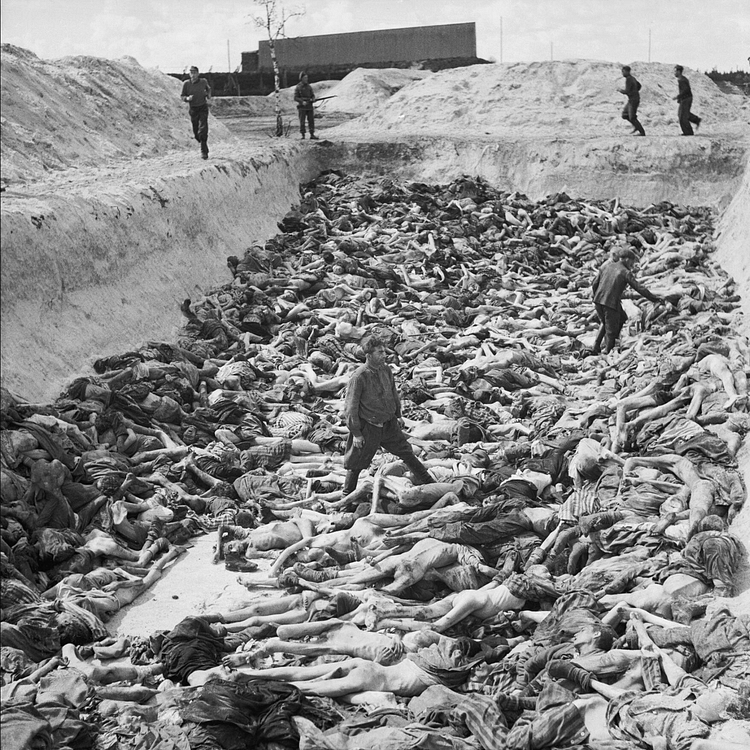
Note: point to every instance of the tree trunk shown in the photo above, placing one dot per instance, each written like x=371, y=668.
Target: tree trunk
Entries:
x=277, y=88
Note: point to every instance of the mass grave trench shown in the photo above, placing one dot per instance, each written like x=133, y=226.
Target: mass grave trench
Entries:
x=176, y=595
x=147, y=614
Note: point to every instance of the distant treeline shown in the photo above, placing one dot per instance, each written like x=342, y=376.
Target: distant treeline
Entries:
x=739, y=78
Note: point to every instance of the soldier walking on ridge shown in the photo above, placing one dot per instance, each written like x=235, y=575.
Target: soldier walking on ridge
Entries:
x=305, y=96
x=684, y=101
x=633, y=91
x=197, y=92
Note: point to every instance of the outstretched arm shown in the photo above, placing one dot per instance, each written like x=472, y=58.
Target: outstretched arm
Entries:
x=635, y=284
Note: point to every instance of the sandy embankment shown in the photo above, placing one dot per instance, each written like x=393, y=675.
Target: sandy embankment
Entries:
x=96, y=258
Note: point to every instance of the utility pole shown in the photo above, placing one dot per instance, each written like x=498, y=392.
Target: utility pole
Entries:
x=501, y=38
x=649, y=45
x=229, y=64
x=551, y=54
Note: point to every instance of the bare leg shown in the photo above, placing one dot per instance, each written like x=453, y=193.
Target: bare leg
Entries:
x=659, y=411
x=701, y=499
x=407, y=624
x=287, y=674
x=128, y=591
x=283, y=618
x=198, y=473
x=113, y=650
x=623, y=407
x=105, y=545
x=402, y=678
x=382, y=615
x=145, y=456
x=270, y=606
x=162, y=481
x=107, y=675
x=653, y=599
x=699, y=394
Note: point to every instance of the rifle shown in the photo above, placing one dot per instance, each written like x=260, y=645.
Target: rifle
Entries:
x=323, y=98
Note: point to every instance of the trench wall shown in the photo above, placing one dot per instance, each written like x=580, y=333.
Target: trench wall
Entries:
x=690, y=171
x=97, y=271
x=92, y=267
x=733, y=244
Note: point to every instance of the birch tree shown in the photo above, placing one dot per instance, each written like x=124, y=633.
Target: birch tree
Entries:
x=273, y=17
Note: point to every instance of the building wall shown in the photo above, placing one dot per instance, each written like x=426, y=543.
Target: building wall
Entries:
x=420, y=43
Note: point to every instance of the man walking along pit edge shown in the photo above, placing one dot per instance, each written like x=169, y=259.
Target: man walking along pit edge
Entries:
x=373, y=412
x=684, y=101
x=633, y=91
x=197, y=93
x=305, y=96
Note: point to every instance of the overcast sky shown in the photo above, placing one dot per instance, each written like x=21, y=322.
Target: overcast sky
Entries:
x=173, y=34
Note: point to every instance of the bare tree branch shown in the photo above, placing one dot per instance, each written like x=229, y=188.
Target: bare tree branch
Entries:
x=273, y=18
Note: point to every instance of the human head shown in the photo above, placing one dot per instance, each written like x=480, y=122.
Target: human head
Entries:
x=539, y=571
x=193, y=73
x=711, y=705
x=236, y=547
x=711, y=523
x=371, y=343
x=218, y=629
x=590, y=469
x=78, y=580
x=594, y=636
x=627, y=257
x=73, y=629
x=245, y=519
x=626, y=70
x=678, y=70
x=417, y=639
x=108, y=484
x=303, y=77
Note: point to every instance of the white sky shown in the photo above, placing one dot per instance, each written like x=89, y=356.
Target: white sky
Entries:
x=173, y=34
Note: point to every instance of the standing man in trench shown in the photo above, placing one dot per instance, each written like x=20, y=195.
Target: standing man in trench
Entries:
x=633, y=91
x=305, y=96
x=373, y=414
x=197, y=93
x=684, y=101
x=614, y=277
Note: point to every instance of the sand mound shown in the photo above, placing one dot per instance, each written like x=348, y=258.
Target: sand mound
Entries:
x=366, y=88
x=565, y=98
x=360, y=91
x=86, y=111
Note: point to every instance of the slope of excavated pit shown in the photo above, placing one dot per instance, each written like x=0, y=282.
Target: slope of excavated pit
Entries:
x=95, y=264
x=703, y=171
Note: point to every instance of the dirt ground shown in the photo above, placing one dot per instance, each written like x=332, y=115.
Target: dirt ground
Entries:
x=193, y=584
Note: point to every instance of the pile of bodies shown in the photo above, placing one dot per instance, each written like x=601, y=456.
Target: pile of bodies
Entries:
x=557, y=585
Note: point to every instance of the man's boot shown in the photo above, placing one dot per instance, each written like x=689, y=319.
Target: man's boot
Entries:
x=418, y=469
x=350, y=481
